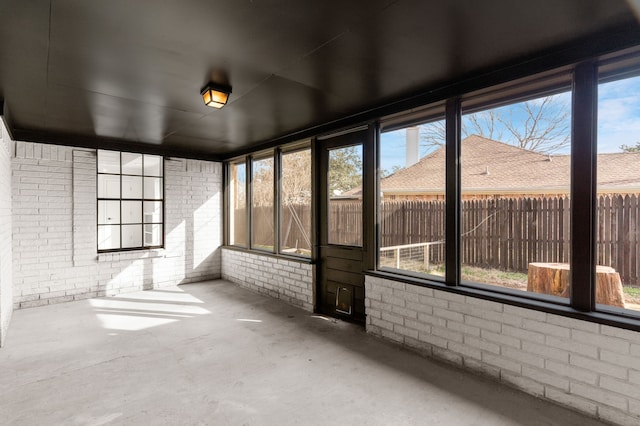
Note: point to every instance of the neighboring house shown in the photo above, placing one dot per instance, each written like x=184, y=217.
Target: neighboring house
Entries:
x=494, y=169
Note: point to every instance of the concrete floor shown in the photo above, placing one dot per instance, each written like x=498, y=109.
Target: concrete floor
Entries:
x=214, y=354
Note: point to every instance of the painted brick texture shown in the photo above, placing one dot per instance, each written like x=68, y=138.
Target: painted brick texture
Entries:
x=55, y=255
x=289, y=280
x=590, y=367
x=6, y=288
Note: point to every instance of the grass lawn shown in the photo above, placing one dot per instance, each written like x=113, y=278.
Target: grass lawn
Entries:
x=515, y=280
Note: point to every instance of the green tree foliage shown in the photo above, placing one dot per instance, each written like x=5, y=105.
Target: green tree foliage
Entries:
x=345, y=169
x=630, y=148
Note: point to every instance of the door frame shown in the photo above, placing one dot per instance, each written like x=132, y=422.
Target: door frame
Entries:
x=366, y=135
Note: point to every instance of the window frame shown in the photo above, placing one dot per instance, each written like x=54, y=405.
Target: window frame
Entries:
x=279, y=153
x=247, y=160
x=420, y=116
x=528, y=81
x=229, y=201
x=251, y=160
x=583, y=83
x=142, y=201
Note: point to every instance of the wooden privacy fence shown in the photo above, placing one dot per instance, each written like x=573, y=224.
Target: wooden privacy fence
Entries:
x=506, y=233
x=510, y=233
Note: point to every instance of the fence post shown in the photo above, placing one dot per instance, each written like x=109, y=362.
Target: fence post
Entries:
x=426, y=257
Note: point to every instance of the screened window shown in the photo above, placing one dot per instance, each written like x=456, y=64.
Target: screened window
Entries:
x=130, y=201
x=412, y=199
x=295, y=203
x=345, y=199
x=618, y=192
x=515, y=186
x=262, y=213
x=238, y=204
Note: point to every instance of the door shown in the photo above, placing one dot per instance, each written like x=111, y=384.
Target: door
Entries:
x=340, y=253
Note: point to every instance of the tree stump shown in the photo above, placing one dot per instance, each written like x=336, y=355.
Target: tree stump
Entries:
x=553, y=278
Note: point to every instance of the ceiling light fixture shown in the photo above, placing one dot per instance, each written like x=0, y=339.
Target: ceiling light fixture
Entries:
x=215, y=95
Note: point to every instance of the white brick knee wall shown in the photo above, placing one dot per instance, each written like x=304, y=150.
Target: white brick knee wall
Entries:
x=591, y=367
x=55, y=255
x=6, y=288
x=280, y=278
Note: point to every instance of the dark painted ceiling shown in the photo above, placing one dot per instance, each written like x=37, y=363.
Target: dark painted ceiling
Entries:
x=91, y=71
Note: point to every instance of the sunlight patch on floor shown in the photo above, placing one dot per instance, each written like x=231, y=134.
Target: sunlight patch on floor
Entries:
x=142, y=310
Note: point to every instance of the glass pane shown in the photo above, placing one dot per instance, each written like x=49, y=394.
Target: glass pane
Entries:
x=152, y=165
x=108, y=162
x=345, y=196
x=131, y=164
x=108, y=212
x=131, y=187
x=153, y=188
x=262, y=204
x=108, y=237
x=152, y=211
x=412, y=202
x=618, y=188
x=108, y=186
x=131, y=211
x=153, y=235
x=131, y=236
x=237, y=205
x=295, y=220
x=515, y=196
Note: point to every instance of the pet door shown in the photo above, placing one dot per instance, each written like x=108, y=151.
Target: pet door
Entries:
x=344, y=300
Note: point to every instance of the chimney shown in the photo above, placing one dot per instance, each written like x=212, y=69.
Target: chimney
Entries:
x=413, y=146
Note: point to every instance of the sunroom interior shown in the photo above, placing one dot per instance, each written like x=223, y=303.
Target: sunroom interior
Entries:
x=459, y=178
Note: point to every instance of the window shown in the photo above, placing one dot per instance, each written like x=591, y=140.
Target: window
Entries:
x=237, y=204
x=287, y=217
x=295, y=203
x=515, y=186
x=262, y=213
x=130, y=201
x=412, y=198
x=618, y=192
x=345, y=195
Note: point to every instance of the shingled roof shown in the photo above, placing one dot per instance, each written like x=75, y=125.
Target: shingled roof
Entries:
x=490, y=167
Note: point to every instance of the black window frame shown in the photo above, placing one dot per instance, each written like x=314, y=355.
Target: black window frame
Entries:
x=142, y=200
x=583, y=83
x=247, y=160
x=525, y=81
x=279, y=153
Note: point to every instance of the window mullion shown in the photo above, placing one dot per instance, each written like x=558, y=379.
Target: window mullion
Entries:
x=583, y=186
x=249, y=201
x=452, y=195
x=120, y=177
x=277, y=198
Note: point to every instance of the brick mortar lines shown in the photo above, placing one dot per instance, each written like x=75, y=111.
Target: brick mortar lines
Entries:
x=50, y=235
x=590, y=367
x=279, y=278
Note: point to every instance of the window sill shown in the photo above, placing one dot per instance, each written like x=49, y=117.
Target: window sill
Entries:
x=131, y=255
x=292, y=258
x=536, y=302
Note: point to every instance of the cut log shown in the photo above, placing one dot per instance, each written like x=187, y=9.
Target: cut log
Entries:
x=554, y=278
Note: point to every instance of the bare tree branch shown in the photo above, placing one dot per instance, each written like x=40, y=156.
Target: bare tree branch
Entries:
x=540, y=125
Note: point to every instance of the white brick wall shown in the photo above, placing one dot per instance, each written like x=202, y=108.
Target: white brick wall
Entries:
x=6, y=289
x=55, y=257
x=591, y=367
x=285, y=279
